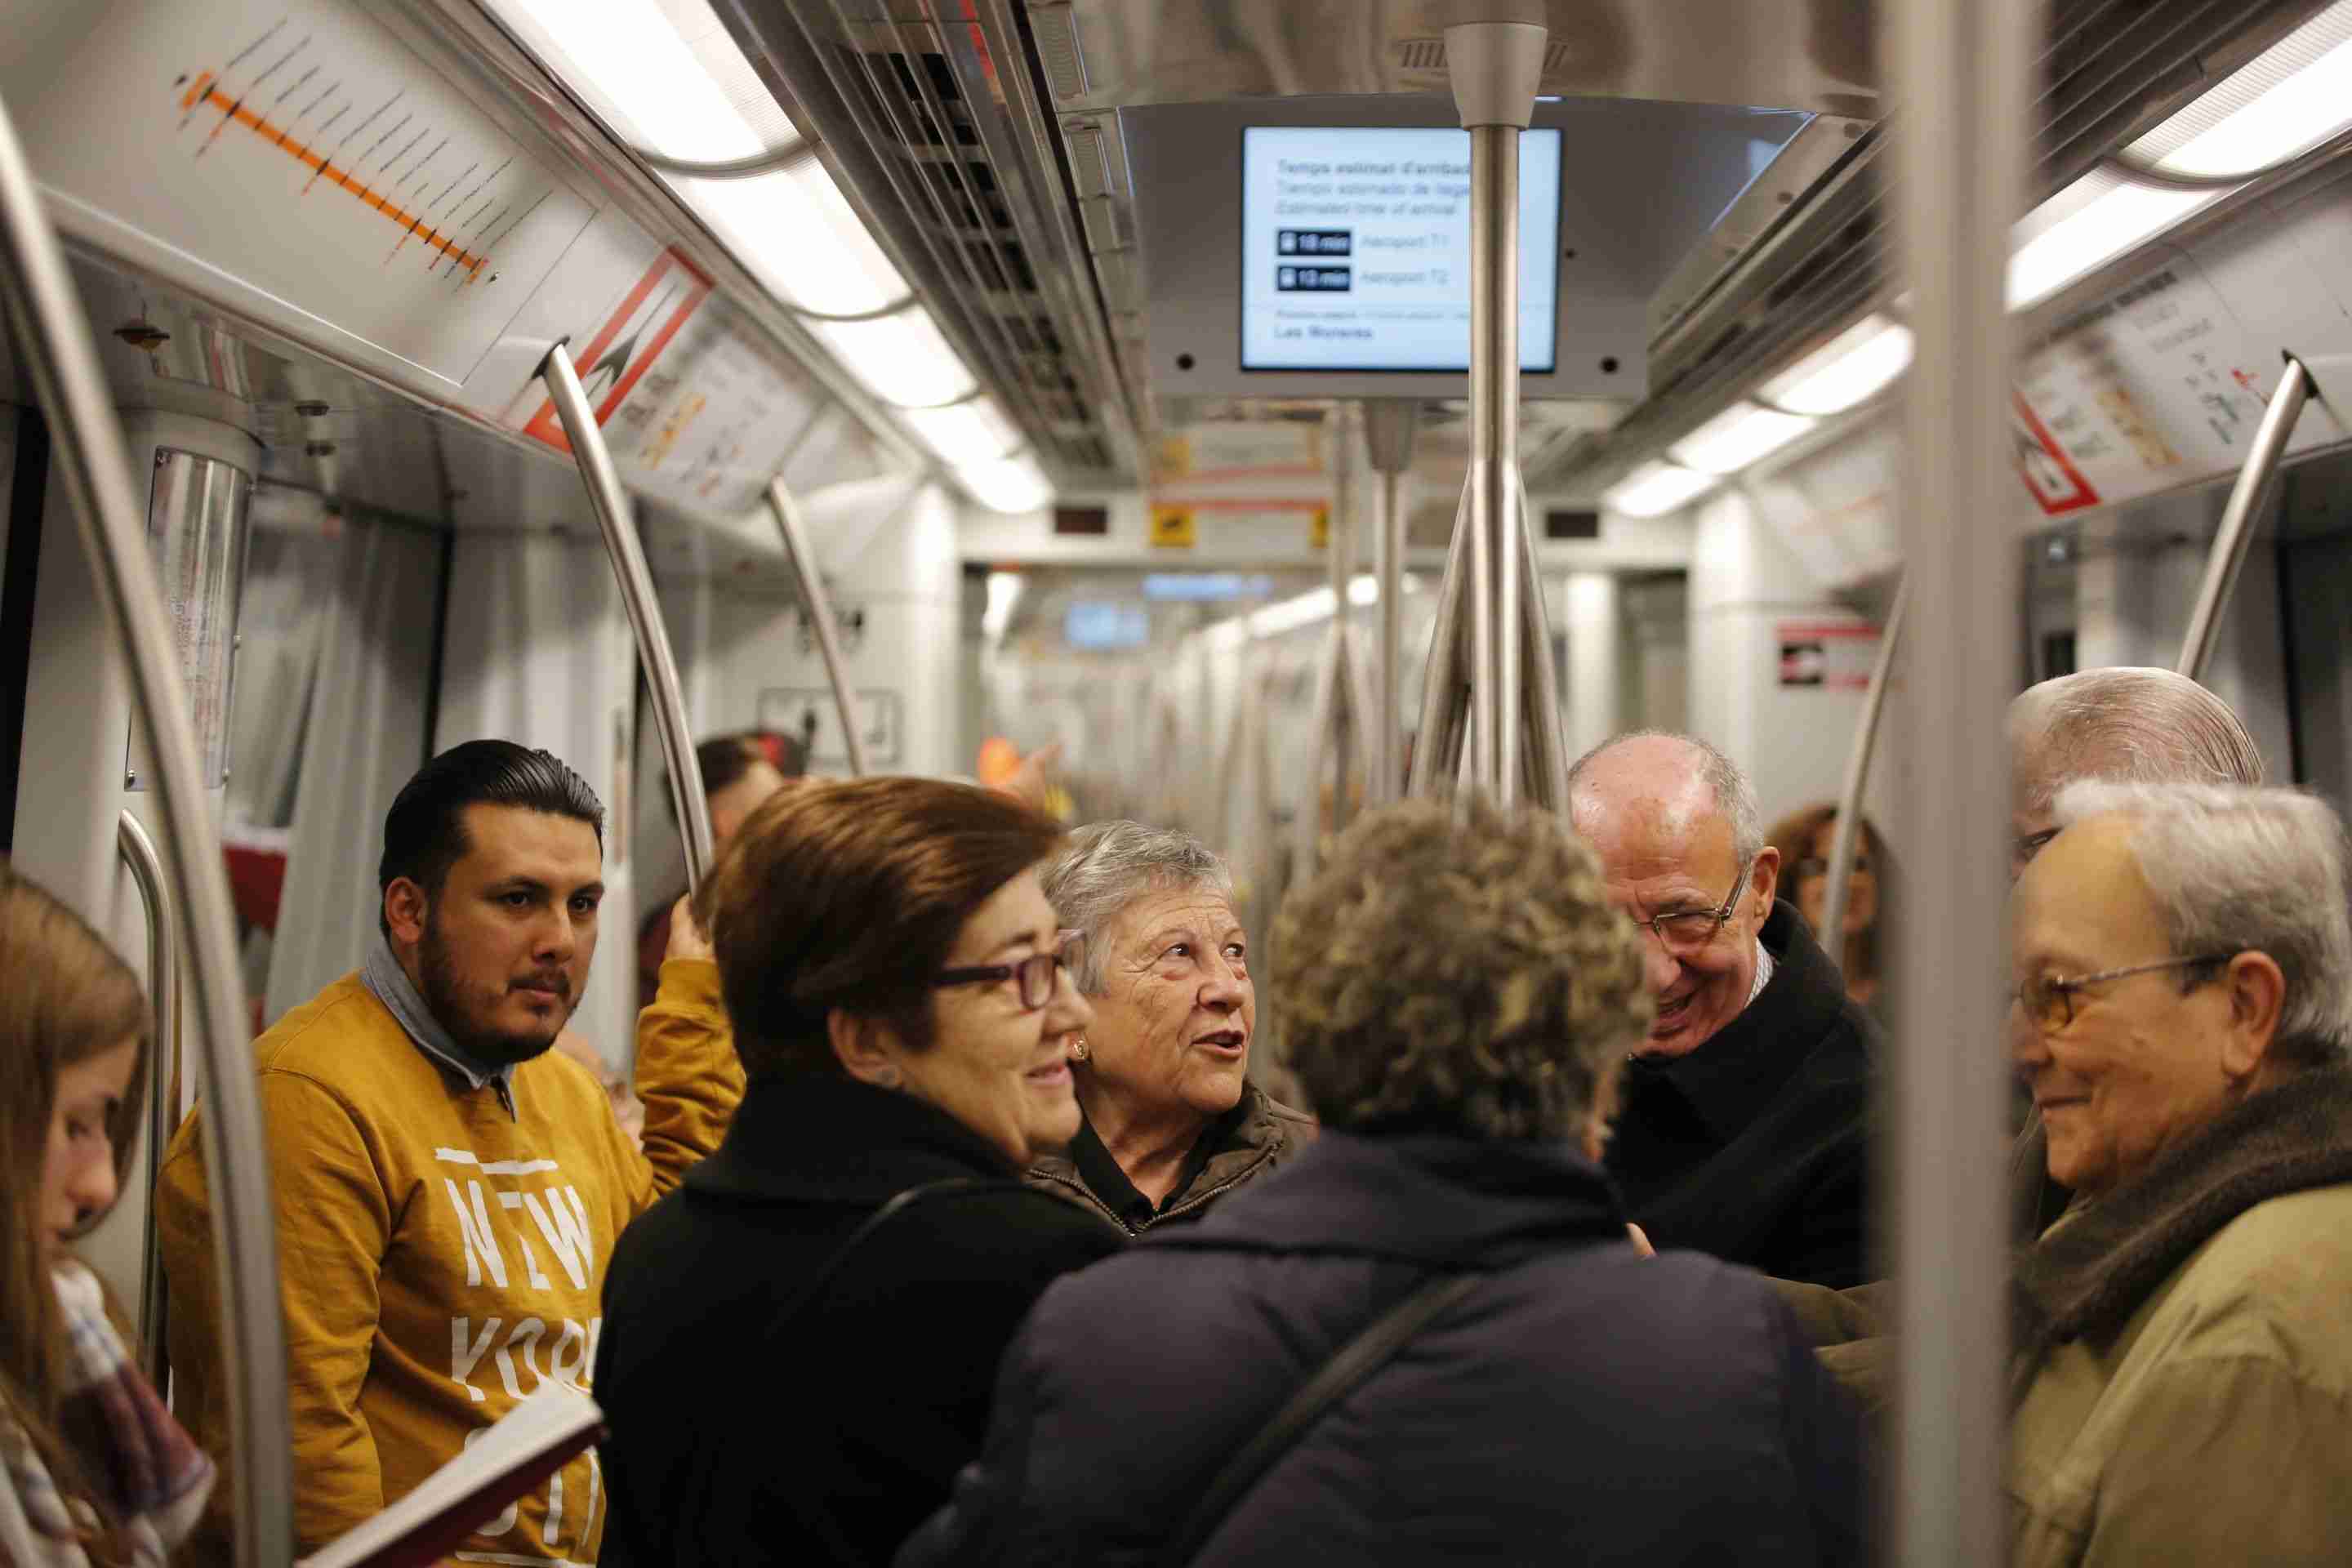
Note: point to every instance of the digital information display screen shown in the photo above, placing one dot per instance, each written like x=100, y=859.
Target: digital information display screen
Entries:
x=1356, y=248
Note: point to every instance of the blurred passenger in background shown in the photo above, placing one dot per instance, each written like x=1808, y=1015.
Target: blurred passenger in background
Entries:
x=2182, y=1011
x=1460, y=997
x=799, y=1347
x=1170, y=1119
x=739, y=773
x=1742, y=1132
x=92, y=1466
x=1804, y=841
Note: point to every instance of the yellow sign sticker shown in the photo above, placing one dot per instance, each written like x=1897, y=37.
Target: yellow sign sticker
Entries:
x=1173, y=526
x=1319, y=529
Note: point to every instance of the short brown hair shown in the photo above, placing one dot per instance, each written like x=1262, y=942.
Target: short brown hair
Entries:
x=850, y=893
x=1457, y=973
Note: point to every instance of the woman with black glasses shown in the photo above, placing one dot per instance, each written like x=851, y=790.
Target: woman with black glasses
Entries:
x=799, y=1345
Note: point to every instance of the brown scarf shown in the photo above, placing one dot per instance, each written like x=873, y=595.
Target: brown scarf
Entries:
x=2088, y=1277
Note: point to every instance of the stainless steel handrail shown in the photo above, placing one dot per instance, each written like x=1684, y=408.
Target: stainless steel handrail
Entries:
x=1547, y=759
x=2237, y=532
x=819, y=605
x=47, y=315
x=1857, y=777
x=610, y=504
x=1962, y=71
x=1443, y=677
x=1391, y=427
x=162, y=1067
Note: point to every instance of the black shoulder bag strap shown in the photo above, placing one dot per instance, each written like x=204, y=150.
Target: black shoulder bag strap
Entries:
x=1338, y=1377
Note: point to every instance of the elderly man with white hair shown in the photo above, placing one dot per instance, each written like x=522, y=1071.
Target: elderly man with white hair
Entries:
x=2183, y=1006
x=2125, y=725
x=1740, y=1128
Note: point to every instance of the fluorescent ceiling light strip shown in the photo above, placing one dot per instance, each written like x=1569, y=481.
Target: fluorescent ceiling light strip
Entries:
x=1656, y=488
x=1850, y=369
x=1014, y=484
x=1736, y=437
x=902, y=359
x=796, y=233
x=636, y=62
x=2291, y=116
x=964, y=433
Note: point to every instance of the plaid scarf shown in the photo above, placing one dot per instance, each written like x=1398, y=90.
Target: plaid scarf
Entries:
x=152, y=1478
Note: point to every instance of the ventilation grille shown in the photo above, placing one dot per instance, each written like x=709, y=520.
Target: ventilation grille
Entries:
x=906, y=96
x=2110, y=66
x=1428, y=54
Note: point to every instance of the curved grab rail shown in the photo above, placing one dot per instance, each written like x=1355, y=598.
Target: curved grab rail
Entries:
x=46, y=313
x=813, y=598
x=2236, y=535
x=1857, y=776
x=610, y=504
x=162, y=1067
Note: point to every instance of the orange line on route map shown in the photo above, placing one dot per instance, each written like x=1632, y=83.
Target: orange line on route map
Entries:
x=203, y=91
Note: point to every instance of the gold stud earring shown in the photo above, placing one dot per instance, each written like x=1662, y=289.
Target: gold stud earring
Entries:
x=1078, y=1049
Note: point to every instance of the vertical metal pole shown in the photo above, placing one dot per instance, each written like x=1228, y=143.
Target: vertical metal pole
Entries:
x=1965, y=72
x=610, y=504
x=1390, y=427
x=819, y=605
x=1495, y=422
x=1494, y=67
x=46, y=314
x=162, y=1067
x=1388, y=718
x=1857, y=778
x=1308, y=828
x=2237, y=532
x=1547, y=727
x=1442, y=676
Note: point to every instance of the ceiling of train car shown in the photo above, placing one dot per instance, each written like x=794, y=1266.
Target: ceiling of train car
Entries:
x=2109, y=69
x=1816, y=55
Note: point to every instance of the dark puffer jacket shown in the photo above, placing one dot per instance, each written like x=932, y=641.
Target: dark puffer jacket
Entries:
x=1583, y=1405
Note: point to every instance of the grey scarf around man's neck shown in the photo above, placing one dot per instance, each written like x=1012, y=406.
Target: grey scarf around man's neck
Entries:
x=391, y=984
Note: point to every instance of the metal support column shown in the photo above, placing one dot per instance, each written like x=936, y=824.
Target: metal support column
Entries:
x=46, y=314
x=610, y=504
x=162, y=1066
x=1339, y=709
x=1494, y=67
x=2237, y=532
x=819, y=606
x=1390, y=430
x=1964, y=72
x=1446, y=678
x=1857, y=778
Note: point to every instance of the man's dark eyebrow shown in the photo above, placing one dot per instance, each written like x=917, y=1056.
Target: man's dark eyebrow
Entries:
x=590, y=889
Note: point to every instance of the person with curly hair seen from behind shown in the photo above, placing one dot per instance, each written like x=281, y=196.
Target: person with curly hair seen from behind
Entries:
x=93, y=1469
x=1459, y=997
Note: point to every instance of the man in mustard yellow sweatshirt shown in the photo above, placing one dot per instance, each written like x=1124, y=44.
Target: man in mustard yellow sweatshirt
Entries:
x=448, y=1188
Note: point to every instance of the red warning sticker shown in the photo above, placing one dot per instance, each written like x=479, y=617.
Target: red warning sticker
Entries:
x=627, y=345
x=2057, y=486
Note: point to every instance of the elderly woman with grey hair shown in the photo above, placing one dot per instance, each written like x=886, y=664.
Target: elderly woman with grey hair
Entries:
x=1172, y=1121
x=1438, y=1306
x=2183, y=1005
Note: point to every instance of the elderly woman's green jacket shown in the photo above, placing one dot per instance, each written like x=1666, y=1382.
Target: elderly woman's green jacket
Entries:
x=2183, y=1376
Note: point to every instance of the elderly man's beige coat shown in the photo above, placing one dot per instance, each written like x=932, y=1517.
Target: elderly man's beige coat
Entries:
x=2185, y=1360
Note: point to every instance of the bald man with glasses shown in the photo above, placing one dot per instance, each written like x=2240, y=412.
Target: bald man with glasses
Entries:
x=1741, y=1129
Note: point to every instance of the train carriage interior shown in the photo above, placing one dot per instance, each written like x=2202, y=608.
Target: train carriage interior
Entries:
x=936, y=383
